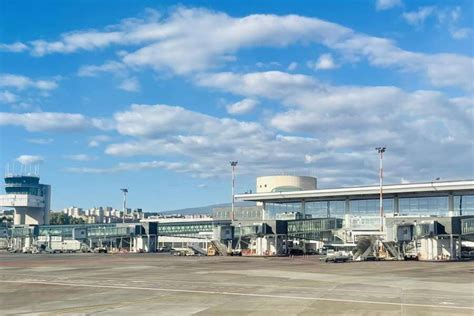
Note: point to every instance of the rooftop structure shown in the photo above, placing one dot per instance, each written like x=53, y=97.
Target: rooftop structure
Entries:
x=285, y=183
x=429, y=198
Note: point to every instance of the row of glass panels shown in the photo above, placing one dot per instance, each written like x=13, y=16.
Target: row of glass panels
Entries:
x=94, y=230
x=409, y=206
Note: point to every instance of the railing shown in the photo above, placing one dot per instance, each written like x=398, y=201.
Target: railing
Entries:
x=180, y=229
x=25, y=200
x=220, y=248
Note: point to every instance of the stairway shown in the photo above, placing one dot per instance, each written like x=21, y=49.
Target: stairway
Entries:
x=391, y=248
x=220, y=248
x=197, y=249
x=343, y=235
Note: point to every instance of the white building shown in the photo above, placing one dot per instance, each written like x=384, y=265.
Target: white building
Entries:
x=30, y=199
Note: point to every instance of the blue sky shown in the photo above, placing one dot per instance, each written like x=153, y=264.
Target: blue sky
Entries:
x=160, y=97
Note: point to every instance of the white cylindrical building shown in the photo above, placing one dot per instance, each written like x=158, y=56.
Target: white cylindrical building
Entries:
x=285, y=183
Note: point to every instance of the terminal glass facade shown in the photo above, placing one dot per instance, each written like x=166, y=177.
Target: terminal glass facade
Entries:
x=467, y=225
x=272, y=209
x=336, y=209
x=434, y=205
x=318, y=209
x=437, y=205
x=465, y=204
x=370, y=207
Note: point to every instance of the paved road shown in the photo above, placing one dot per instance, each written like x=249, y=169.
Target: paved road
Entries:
x=167, y=285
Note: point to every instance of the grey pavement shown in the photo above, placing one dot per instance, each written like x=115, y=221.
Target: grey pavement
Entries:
x=160, y=284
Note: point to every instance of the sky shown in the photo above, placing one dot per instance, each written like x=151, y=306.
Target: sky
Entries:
x=158, y=97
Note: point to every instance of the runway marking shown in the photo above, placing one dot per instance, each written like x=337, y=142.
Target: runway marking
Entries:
x=237, y=294
x=319, y=290
x=332, y=289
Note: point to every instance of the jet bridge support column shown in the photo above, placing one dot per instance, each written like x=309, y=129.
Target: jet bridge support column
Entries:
x=396, y=205
x=347, y=213
x=450, y=204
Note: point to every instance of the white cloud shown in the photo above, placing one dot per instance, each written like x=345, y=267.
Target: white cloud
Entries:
x=324, y=62
x=165, y=43
x=387, y=4
x=351, y=118
x=204, y=141
x=189, y=168
x=71, y=42
x=271, y=64
x=45, y=85
x=154, y=120
x=242, y=107
x=29, y=159
x=109, y=67
x=270, y=84
x=130, y=85
x=40, y=141
x=446, y=17
x=8, y=97
x=341, y=124
x=80, y=157
x=97, y=140
x=22, y=82
x=292, y=66
x=419, y=17
x=50, y=121
x=461, y=33
x=16, y=47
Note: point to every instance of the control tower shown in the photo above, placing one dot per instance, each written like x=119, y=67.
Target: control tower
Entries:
x=30, y=199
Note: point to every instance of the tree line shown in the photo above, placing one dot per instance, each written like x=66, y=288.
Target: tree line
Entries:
x=64, y=219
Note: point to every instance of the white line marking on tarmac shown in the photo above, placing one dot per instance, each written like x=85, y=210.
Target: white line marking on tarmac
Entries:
x=322, y=290
x=235, y=294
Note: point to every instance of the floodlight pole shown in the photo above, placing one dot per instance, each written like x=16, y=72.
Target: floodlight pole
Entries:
x=381, y=150
x=233, y=164
x=125, y=191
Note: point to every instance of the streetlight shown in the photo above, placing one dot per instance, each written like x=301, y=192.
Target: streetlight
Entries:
x=233, y=164
x=381, y=150
x=125, y=191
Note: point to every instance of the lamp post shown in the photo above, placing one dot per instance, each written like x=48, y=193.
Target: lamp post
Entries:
x=381, y=150
x=233, y=164
x=125, y=191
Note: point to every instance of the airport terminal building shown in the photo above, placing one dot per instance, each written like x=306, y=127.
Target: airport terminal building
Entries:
x=434, y=220
x=440, y=198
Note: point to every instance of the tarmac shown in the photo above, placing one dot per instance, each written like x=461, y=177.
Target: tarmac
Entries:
x=161, y=284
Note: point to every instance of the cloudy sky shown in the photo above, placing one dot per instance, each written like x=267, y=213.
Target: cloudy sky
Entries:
x=159, y=98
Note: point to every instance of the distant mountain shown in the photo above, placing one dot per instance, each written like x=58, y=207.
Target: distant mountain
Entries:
x=205, y=209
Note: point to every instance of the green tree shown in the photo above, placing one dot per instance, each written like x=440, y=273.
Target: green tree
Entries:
x=77, y=221
x=59, y=219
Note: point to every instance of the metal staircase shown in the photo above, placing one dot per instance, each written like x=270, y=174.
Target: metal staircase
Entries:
x=221, y=249
x=391, y=248
x=343, y=235
x=197, y=249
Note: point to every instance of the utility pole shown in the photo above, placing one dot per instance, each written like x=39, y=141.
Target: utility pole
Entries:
x=381, y=150
x=233, y=164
